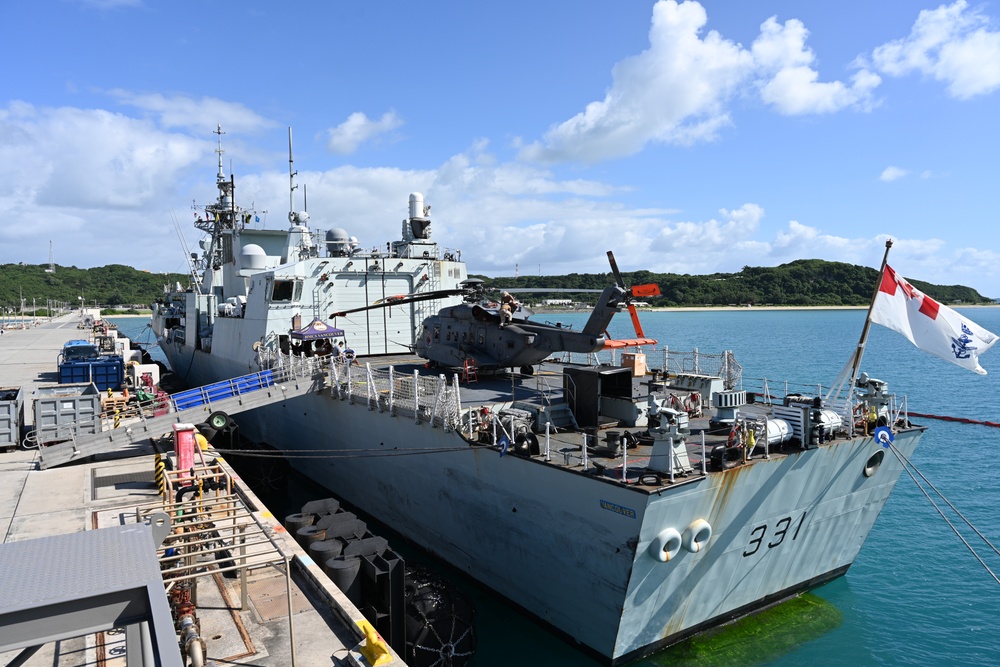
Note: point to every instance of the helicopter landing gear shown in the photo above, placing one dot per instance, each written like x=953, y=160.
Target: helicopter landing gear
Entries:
x=527, y=370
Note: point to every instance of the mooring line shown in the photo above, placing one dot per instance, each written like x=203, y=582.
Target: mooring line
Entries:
x=960, y=420
x=907, y=464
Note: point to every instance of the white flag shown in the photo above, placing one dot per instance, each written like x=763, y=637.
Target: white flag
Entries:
x=930, y=326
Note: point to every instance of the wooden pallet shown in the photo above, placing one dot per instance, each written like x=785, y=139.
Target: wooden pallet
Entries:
x=117, y=404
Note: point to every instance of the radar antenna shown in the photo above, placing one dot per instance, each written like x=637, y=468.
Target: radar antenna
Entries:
x=218, y=130
x=291, y=177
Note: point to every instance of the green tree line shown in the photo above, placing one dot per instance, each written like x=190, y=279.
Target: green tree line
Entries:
x=113, y=285
x=804, y=282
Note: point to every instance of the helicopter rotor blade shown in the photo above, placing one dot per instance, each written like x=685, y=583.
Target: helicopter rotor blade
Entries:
x=635, y=321
x=650, y=289
x=401, y=299
x=614, y=270
x=521, y=290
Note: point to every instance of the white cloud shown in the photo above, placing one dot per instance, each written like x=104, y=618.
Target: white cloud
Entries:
x=891, y=173
x=680, y=88
x=357, y=129
x=90, y=179
x=90, y=158
x=202, y=115
x=672, y=92
x=791, y=85
x=952, y=44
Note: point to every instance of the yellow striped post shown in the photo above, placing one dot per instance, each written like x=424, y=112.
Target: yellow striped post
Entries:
x=159, y=468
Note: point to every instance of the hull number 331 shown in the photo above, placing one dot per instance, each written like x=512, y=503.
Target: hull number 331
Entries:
x=775, y=535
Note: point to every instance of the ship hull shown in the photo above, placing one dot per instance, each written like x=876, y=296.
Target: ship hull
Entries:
x=572, y=549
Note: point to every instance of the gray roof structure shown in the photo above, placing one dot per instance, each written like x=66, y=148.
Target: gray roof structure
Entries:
x=70, y=585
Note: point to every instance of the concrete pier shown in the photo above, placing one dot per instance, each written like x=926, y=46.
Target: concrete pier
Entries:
x=109, y=490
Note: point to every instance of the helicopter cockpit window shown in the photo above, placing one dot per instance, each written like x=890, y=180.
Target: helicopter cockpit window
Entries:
x=437, y=332
x=286, y=290
x=482, y=336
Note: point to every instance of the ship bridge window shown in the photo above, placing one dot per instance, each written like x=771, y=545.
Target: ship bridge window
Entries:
x=286, y=290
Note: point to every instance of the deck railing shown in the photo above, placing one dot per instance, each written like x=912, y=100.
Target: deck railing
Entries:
x=431, y=399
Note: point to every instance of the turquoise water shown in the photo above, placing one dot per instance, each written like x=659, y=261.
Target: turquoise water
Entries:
x=915, y=595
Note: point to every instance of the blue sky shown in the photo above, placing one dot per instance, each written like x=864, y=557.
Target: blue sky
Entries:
x=687, y=137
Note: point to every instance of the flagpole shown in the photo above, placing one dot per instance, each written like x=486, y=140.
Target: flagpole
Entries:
x=854, y=363
x=859, y=352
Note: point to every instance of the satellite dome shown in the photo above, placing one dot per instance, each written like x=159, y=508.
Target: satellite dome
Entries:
x=253, y=257
x=337, y=234
x=337, y=242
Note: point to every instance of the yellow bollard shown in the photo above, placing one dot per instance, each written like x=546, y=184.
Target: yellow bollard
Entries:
x=375, y=650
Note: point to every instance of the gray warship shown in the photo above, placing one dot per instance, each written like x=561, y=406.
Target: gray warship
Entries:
x=626, y=508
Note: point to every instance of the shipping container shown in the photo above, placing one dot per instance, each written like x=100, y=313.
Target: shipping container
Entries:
x=64, y=409
x=11, y=416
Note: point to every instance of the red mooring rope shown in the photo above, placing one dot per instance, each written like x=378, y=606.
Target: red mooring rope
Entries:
x=961, y=420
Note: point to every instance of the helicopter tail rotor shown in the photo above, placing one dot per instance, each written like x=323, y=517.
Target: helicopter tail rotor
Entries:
x=650, y=289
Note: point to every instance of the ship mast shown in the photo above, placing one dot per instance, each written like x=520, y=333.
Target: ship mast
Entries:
x=221, y=177
x=291, y=179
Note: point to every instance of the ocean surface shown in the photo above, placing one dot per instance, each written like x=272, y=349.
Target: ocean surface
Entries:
x=915, y=595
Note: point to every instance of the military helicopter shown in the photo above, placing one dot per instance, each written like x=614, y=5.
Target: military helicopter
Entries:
x=480, y=332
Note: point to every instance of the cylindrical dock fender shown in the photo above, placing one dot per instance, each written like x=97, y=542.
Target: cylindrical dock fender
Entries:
x=306, y=535
x=295, y=521
x=344, y=573
x=666, y=545
x=697, y=535
x=324, y=550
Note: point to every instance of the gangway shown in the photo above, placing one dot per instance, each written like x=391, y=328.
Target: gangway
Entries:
x=191, y=406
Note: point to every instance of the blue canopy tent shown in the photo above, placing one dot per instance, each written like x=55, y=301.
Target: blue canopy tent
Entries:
x=316, y=330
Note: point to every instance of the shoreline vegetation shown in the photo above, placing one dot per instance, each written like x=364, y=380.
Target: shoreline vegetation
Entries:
x=801, y=284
